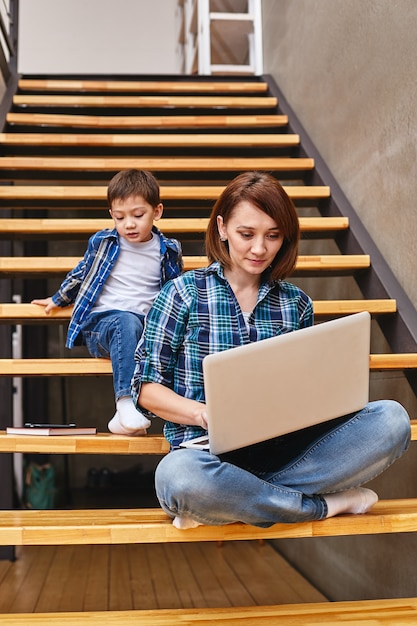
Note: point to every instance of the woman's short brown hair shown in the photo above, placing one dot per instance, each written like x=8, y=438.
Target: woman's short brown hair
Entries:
x=131, y=182
x=266, y=193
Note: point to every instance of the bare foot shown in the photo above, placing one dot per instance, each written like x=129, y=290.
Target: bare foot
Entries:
x=356, y=501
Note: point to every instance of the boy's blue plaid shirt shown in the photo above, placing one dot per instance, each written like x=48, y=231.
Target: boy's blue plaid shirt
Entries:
x=197, y=314
x=83, y=284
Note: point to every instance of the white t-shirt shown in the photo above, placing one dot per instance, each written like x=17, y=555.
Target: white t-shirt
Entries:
x=246, y=317
x=134, y=280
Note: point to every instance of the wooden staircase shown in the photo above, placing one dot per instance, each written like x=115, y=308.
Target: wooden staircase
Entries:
x=62, y=141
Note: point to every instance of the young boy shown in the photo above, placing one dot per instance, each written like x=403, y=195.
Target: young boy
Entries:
x=114, y=285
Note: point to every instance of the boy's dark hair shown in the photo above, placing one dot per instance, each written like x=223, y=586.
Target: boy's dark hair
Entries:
x=266, y=193
x=133, y=182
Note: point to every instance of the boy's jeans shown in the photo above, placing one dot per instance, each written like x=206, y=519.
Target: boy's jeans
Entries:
x=197, y=484
x=115, y=334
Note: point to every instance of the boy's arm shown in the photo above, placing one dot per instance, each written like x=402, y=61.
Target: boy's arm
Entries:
x=71, y=284
x=67, y=292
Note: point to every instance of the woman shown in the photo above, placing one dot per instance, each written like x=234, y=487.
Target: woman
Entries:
x=252, y=243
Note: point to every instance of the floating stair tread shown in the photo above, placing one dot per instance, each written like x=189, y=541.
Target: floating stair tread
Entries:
x=398, y=361
x=402, y=611
x=240, y=102
x=200, y=192
x=57, y=265
x=145, y=121
x=101, y=526
x=160, y=86
x=88, y=366
x=45, y=227
x=26, y=312
x=211, y=140
x=72, y=366
x=102, y=443
x=174, y=164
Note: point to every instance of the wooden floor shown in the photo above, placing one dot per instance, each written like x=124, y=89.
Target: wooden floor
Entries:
x=123, y=577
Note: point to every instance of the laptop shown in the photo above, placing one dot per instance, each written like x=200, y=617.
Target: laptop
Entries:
x=279, y=385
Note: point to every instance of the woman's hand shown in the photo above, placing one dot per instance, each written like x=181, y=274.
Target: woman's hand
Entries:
x=201, y=416
x=48, y=303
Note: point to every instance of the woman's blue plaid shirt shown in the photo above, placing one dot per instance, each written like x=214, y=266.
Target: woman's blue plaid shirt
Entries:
x=197, y=314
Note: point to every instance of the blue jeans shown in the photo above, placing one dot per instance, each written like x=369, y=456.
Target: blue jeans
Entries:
x=214, y=491
x=115, y=335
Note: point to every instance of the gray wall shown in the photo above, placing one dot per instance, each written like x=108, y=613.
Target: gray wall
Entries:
x=99, y=37
x=347, y=68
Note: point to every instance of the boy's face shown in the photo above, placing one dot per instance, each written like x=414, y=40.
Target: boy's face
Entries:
x=134, y=217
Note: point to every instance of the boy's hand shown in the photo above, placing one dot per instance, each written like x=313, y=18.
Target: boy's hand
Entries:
x=47, y=303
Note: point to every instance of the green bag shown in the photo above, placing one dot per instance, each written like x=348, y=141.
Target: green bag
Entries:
x=39, y=486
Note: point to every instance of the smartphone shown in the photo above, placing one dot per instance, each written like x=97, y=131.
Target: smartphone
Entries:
x=30, y=425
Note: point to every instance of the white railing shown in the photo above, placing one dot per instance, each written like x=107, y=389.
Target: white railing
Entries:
x=222, y=42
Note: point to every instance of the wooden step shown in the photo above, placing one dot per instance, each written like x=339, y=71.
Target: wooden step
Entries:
x=396, y=612
x=26, y=312
x=399, y=361
x=86, y=193
x=142, y=102
x=29, y=228
x=324, y=265
x=102, y=367
x=146, y=121
x=142, y=86
x=102, y=443
x=100, y=526
x=175, y=140
x=56, y=367
x=165, y=164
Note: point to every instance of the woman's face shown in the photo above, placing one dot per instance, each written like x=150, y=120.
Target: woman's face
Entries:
x=253, y=236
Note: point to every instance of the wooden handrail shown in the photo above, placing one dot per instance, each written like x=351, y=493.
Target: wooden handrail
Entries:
x=323, y=264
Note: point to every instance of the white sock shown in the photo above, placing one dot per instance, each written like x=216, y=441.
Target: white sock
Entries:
x=356, y=501
x=116, y=428
x=184, y=523
x=130, y=419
